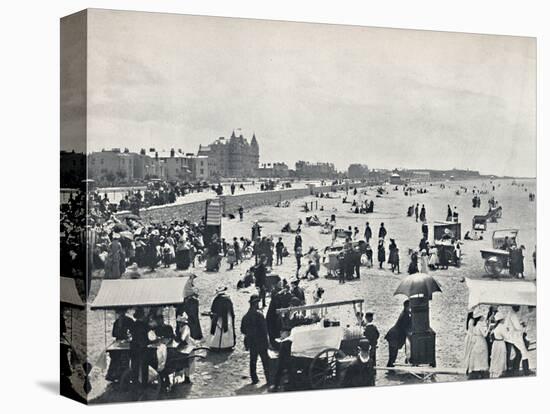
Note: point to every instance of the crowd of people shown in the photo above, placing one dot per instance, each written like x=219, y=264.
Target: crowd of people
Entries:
x=496, y=343
x=131, y=245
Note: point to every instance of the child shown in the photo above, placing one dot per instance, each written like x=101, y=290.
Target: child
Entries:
x=372, y=334
x=166, y=254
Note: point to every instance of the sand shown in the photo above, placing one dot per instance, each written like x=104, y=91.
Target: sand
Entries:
x=227, y=374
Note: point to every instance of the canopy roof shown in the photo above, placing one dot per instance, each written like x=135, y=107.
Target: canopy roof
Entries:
x=511, y=233
x=139, y=292
x=324, y=305
x=69, y=293
x=500, y=292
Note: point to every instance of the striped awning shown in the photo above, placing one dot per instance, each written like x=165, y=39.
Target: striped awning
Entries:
x=69, y=293
x=139, y=292
x=500, y=292
x=213, y=213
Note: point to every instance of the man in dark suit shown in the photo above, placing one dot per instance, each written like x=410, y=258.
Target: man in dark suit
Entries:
x=260, y=277
x=254, y=328
x=368, y=232
x=397, y=334
x=382, y=232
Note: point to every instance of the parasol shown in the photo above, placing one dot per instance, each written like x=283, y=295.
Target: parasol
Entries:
x=418, y=284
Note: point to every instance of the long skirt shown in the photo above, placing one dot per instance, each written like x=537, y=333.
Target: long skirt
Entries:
x=498, y=359
x=191, y=307
x=221, y=340
x=477, y=354
x=183, y=259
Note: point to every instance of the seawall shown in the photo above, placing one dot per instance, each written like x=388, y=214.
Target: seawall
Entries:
x=230, y=203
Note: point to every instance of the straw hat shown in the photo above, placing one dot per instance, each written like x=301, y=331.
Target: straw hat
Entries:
x=220, y=289
x=182, y=318
x=499, y=316
x=116, y=236
x=478, y=313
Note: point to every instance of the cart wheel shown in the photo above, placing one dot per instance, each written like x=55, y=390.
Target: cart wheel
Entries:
x=323, y=368
x=494, y=268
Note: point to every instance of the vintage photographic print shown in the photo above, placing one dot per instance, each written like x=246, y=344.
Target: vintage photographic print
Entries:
x=252, y=206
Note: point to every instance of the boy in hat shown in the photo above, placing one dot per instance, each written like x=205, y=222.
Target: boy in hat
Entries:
x=372, y=334
x=254, y=329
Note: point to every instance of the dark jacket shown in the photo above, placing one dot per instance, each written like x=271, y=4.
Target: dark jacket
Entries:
x=122, y=327
x=398, y=333
x=372, y=334
x=222, y=307
x=368, y=232
x=254, y=328
x=260, y=274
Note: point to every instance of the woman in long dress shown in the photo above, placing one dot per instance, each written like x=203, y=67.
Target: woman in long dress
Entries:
x=114, y=263
x=222, y=316
x=498, y=350
x=423, y=262
x=190, y=306
x=381, y=253
x=185, y=345
x=183, y=255
x=393, y=258
x=476, y=356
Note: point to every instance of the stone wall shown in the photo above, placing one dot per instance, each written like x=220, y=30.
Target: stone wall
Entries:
x=230, y=203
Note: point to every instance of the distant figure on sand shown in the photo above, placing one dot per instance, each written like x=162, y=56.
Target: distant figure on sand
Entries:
x=381, y=253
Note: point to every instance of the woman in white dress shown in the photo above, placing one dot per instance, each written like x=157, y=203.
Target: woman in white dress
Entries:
x=423, y=262
x=476, y=356
x=498, y=350
x=185, y=345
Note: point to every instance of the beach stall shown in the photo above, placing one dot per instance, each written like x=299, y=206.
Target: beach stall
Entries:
x=149, y=295
x=501, y=292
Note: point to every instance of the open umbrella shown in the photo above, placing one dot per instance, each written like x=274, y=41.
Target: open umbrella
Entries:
x=118, y=227
x=418, y=284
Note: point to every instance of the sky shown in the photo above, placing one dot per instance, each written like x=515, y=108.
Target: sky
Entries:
x=387, y=98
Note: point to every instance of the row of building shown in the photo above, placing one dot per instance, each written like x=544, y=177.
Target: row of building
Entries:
x=235, y=157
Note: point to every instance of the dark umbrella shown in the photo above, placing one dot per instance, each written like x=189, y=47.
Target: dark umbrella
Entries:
x=418, y=284
x=118, y=227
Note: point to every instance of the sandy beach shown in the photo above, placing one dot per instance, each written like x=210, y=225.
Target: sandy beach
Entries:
x=227, y=374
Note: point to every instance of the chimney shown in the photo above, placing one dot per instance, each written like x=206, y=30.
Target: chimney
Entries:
x=172, y=153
